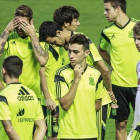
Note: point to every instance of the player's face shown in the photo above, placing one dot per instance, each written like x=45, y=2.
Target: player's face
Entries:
x=74, y=25
x=77, y=54
x=56, y=41
x=19, y=31
x=110, y=13
x=137, y=41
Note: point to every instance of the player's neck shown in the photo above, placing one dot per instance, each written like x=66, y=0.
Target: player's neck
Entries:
x=122, y=20
x=67, y=35
x=9, y=80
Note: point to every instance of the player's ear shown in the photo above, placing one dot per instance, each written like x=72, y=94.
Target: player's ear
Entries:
x=87, y=52
x=4, y=71
x=31, y=21
x=58, y=33
x=66, y=25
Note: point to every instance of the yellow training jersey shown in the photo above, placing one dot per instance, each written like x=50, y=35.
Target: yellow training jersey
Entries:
x=79, y=121
x=123, y=53
x=15, y=45
x=20, y=105
x=54, y=62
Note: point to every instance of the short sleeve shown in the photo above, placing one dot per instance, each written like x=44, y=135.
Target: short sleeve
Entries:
x=61, y=87
x=99, y=90
x=39, y=115
x=104, y=41
x=5, y=113
x=94, y=51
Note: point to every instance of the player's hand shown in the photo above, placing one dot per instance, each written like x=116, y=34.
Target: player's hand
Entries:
x=29, y=29
x=50, y=104
x=13, y=24
x=78, y=71
x=56, y=116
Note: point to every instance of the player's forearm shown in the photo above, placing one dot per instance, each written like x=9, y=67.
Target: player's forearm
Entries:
x=105, y=56
x=10, y=130
x=41, y=55
x=3, y=39
x=13, y=135
x=107, y=81
x=40, y=129
x=44, y=82
x=67, y=100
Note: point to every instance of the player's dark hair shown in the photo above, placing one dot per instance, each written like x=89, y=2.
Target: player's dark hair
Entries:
x=65, y=14
x=81, y=40
x=116, y=3
x=48, y=29
x=13, y=65
x=24, y=11
x=136, y=28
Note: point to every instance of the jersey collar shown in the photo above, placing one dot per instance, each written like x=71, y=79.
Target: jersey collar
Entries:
x=73, y=68
x=124, y=25
x=14, y=83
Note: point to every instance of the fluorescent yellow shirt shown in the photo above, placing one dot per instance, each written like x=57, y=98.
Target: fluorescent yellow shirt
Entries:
x=79, y=121
x=20, y=105
x=123, y=53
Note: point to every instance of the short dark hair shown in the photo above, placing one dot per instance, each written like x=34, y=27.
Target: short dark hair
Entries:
x=48, y=29
x=24, y=11
x=116, y=3
x=81, y=40
x=13, y=65
x=136, y=28
x=65, y=14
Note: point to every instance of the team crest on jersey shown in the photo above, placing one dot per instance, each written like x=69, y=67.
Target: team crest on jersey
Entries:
x=30, y=45
x=91, y=81
x=130, y=34
x=55, y=128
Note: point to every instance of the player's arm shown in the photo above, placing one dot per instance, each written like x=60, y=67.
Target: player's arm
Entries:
x=4, y=36
x=98, y=104
x=49, y=102
x=68, y=99
x=40, y=53
x=10, y=130
x=100, y=65
x=105, y=55
x=40, y=129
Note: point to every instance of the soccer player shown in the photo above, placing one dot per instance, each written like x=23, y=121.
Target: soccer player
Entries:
x=135, y=132
x=47, y=74
x=67, y=17
x=77, y=89
x=20, y=38
x=118, y=36
x=19, y=106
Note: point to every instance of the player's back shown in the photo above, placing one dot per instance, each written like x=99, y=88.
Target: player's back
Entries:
x=22, y=107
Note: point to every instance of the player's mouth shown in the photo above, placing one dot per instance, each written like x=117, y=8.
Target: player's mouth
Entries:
x=72, y=61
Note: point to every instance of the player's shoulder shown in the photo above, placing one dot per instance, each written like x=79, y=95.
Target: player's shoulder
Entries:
x=63, y=68
x=92, y=68
x=3, y=98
